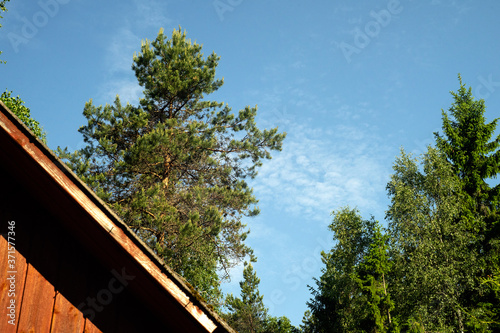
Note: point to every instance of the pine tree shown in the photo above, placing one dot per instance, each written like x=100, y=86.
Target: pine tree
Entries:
x=279, y=325
x=490, y=314
x=175, y=167
x=247, y=314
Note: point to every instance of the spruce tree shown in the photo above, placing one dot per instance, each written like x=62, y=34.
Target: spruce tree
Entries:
x=175, y=166
x=472, y=149
x=372, y=276
x=247, y=313
x=468, y=145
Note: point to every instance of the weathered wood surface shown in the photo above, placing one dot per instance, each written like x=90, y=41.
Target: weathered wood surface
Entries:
x=66, y=317
x=90, y=327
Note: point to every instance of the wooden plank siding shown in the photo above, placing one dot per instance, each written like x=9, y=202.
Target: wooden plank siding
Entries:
x=20, y=275
x=61, y=276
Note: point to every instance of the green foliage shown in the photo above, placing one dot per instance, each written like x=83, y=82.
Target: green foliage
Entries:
x=434, y=268
x=371, y=277
x=174, y=167
x=474, y=154
x=16, y=105
x=2, y=9
x=309, y=323
x=279, y=325
x=247, y=313
x=352, y=293
x=489, y=317
x=466, y=143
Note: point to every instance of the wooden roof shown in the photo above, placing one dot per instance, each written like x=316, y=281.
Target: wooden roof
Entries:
x=99, y=229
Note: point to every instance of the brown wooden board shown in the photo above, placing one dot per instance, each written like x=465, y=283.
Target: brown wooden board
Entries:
x=66, y=317
x=37, y=304
x=10, y=295
x=90, y=327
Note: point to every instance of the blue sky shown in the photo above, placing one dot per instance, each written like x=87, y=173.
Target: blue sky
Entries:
x=350, y=82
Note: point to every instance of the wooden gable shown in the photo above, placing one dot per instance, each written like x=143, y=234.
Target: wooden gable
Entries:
x=69, y=264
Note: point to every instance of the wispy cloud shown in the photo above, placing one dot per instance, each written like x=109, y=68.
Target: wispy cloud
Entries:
x=321, y=168
x=315, y=174
x=152, y=13
x=120, y=79
x=120, y=50
x=128, y=90
x=122, y=45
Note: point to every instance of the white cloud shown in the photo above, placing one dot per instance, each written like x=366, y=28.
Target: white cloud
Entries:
x=317, y=172
x=152, y=13
x=120, y=51
x=128, y=90
x=120, y=79
x=121, y=47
